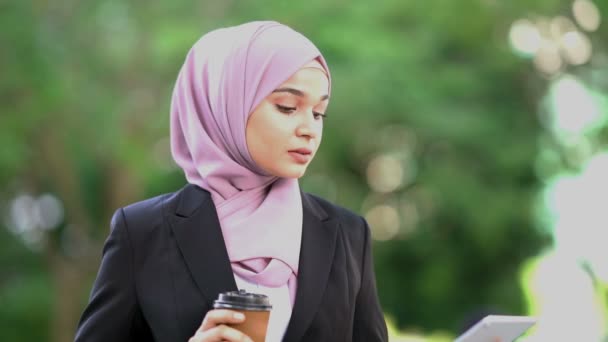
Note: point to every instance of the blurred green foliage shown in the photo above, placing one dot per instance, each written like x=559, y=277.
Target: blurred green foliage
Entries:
x=84, y=115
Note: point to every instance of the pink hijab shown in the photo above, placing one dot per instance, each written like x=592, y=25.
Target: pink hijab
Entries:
x=226, y=74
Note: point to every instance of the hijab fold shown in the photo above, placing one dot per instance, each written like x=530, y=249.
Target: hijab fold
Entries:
x=226, y=75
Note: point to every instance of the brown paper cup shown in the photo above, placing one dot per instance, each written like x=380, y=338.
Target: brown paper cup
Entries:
x=255, y=325
x=255, y=307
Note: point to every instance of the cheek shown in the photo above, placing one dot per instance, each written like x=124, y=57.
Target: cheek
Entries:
x=271, y=141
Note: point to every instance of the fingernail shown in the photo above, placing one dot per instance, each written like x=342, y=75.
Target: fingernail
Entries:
x=239, y=315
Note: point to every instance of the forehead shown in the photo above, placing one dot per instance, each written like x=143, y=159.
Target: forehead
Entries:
x=310, y=80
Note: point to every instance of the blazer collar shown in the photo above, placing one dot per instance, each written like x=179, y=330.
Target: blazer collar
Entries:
x=197, y=230
x=319, y=233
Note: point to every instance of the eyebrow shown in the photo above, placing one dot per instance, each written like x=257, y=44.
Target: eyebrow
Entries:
x=297, y=92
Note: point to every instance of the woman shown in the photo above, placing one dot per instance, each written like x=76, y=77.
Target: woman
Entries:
x=246, y=120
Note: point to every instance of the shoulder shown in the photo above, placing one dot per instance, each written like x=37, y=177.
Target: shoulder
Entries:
x=334, y=210
x=351, y=223
x=146, y=210
x=152, y=212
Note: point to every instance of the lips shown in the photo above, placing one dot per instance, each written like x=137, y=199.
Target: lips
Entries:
x=302, y=151
x=301, y=155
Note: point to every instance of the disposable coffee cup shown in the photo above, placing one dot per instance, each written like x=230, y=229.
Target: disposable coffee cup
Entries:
x=255, y=307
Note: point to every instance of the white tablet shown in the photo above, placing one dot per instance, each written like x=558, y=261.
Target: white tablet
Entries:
x=496, y=328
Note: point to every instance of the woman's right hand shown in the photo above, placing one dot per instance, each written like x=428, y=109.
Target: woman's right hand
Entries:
x=214, y=328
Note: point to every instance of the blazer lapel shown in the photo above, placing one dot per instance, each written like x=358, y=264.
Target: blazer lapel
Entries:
x=199, y=237
x=316, y=257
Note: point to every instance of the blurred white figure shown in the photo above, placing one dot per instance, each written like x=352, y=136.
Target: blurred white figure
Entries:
x=566, y=282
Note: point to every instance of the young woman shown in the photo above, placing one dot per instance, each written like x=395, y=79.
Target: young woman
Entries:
x=246, y=120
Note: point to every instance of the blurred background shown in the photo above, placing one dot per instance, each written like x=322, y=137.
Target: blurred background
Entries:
x=472, y=134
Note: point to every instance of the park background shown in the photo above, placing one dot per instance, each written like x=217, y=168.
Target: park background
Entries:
x=472, y=135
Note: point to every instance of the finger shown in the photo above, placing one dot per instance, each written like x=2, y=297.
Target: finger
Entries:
x=199, y=336
x=207, y=336
x=226, y=333
x=214, y=318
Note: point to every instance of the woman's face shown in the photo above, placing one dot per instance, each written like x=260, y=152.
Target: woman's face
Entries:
x=284, y=131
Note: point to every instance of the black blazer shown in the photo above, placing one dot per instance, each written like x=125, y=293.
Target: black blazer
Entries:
x=165, y=262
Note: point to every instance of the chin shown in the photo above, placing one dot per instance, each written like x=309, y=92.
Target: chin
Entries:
x=295, y=172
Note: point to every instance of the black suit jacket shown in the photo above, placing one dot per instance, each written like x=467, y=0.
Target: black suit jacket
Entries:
x=165, y=262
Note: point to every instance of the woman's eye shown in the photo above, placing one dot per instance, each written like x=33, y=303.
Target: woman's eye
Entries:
x=319, y=115
x=285, y=109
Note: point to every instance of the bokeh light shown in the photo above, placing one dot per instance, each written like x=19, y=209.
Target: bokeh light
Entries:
x=587, y=14
x=560, y=25
x=385, y=173
x=29, y=217
x=384, y=222
x=576, y=47
x=573, y=108
x=525, y=37
x=547, y=58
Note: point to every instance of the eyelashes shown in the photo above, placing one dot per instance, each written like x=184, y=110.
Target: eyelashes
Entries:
x=319, y=115
x=290, y=110
x=285, y=109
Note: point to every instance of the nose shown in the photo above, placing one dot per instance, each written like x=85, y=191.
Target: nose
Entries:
x=308, y=127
